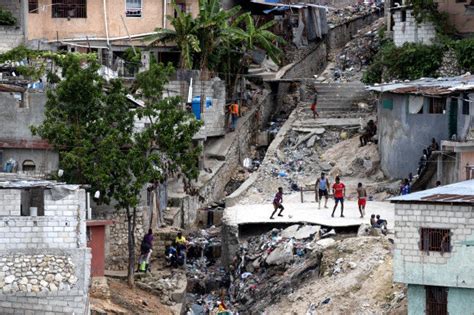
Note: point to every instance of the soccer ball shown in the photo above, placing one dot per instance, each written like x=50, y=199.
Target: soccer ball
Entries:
x=290, y=216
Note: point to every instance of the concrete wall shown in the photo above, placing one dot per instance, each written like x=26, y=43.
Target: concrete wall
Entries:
x=409, y=31
x=460, y=17
x=12, y=36
x=44, y=260
x=41, y=25
x=16, y=140
x=460, y=301
x=413, y=266
x=403, y=136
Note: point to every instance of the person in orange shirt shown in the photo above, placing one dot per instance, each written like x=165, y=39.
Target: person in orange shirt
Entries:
x=234, y=112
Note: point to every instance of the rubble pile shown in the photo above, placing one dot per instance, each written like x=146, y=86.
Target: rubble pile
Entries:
x=350, y=62
x=355, y=275
x=273, y=264
x=169, y=285
x=348, y=13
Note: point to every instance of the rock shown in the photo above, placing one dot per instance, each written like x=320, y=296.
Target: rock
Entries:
x=5, y=268
x=306, y=231
x=35, y=288
x=353, y=265
x=290, y=231
x=325, y=166
x=23, y=281
x=310, y=143
x=375, y=232
x=58, y=277
x=29, y=287
x=9, y=279
x=49, y=277
x=363, y=230
x=7, y=288
x=280, y=255
x=34, y=281
x=325, y=243
x=72, y=280
x=43, y=283
x=53, y=287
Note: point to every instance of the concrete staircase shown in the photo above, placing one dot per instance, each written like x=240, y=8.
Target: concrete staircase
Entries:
x=339, y=97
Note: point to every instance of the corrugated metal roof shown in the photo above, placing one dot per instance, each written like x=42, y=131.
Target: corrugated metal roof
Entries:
x=428, y=86
x=462, y=192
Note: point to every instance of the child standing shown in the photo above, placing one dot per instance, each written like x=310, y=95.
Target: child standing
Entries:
x=362, y=199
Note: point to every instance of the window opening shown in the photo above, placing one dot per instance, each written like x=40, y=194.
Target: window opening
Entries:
x=28, y=166
x=33, y=6
x=133, y=8
x=435, y=240
x=437, y=105
x=32, y=200
x=69, y=9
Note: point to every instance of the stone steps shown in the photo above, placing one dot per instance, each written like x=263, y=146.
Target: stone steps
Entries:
x=340, y=97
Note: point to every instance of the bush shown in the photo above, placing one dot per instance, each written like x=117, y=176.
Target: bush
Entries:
x=409, y=62
x=6, y=18
x=464, y=50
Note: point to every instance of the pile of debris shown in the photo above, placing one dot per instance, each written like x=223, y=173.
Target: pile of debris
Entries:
x=357, y=54
x=169, y=285
x=342, y=15
x=273, y=264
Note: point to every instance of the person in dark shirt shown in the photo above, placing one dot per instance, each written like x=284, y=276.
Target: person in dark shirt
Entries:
x=277, y=203
x=145, y=251
x=369, y=131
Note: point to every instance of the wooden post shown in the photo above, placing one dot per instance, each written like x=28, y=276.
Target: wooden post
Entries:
x=301, y=191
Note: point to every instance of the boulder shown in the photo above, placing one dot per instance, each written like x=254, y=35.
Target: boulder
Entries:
x=306, y=231
x=325, y=243
x=364, y=229
x=281, y=255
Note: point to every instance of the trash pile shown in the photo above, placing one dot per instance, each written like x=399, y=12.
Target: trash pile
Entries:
x=273, y=264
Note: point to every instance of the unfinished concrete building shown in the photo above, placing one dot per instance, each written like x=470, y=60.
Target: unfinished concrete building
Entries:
x=434, y=249
x=20, y=151
x=44, y=261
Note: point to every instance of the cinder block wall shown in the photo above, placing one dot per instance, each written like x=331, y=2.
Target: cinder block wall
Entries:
x=411, y=265
x=409, y=31
x=44, y=261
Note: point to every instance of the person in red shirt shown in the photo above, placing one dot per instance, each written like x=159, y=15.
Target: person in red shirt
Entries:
x=339, y=191
x=277, y=203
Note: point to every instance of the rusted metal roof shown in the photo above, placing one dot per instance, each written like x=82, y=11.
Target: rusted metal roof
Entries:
x=462, y=192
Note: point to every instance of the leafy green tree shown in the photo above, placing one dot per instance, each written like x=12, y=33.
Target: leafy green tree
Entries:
x=91, y=125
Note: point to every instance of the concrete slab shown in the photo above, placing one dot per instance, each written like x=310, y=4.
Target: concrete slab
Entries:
x=309, y=213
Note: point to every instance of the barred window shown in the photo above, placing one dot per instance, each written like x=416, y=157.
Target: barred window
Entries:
x=435, y=240
x=33, y=6
x=133, y=8
x=69, y=9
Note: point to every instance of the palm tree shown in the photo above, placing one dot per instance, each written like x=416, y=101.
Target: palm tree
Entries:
x=183, y=34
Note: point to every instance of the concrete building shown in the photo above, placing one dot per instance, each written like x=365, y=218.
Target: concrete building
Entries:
x=410, y=114
x=434, y=249
x=407, y=30
x=43, y=255
x=460, y=14
x=12, y=36
x=21, y=108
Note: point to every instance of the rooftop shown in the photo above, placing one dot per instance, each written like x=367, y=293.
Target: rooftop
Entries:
x=16, y=181
x=428, y=86
x=462, y=192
